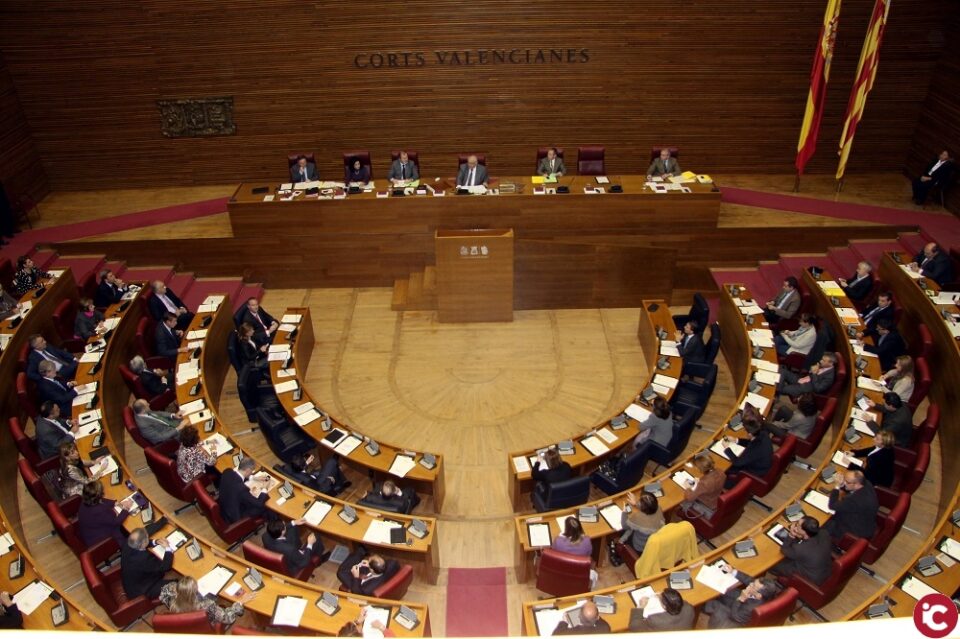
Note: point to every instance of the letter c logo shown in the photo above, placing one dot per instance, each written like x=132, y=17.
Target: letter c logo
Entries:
x=935, y=616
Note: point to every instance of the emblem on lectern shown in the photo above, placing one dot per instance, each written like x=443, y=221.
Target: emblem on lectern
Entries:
x=484, y=250
x=474, y=250
x=463, y=251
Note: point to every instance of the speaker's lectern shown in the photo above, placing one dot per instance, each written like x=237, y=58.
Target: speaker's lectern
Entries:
x=475, y=275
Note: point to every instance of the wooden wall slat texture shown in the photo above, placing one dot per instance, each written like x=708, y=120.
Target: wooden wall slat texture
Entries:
x=726, y=82
x=21, y=170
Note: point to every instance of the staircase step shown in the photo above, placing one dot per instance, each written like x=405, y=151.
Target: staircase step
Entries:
x=150, y=274
x=430, y=279
x=773, y=274
x=81, y=265
x=748, y=277
x=845, y=259
x=118, y=267
x=913, y=243
x=873, y=250
x=415, y=287
x=180, y=284
x=796, y=263
x=398, y=301
x=246, y=292
x=42, y=258
x=202, y=287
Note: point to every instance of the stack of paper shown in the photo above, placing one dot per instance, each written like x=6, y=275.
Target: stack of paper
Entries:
x=861, y=427
x=761, y=337
x=6, y=543
x=521, y=465
x=214, y=581
x=402, y=464
x=916, y=588
x=286, y=328
x=307, y=417
x=719, y=446
x=374, y=613
x=30, y=598
x=316, y=513
x=195, y=406
x=818, y=500
x=665, y=380
x=653, y=606
x=286, y=387
x=607, y=435
x=539, y=534
x=768, y=378
x=841, y=458
x=291, y=318
x=348, y=445
x=757, y=401
x=712, y=576
x=594, y=445
x=638, y=413
x=867, y=383
x=910, y=272
x=764, y=365
x=669, y=348
x=378, y=532
x=289, y=611
x=223, y=444
x=612, y=514
x=685, y=480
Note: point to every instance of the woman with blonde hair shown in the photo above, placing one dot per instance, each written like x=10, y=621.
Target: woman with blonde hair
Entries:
x=900, y=379
x=182, y=596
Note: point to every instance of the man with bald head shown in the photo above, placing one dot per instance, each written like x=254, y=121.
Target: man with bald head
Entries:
x=665, y=166
x=932, y=262
x=140, y=570
x=472, y=173
x=854, y=504
x=590, y=623
x=165, y=301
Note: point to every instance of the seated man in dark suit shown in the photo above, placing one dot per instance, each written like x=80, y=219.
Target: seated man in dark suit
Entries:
x=264, y=325
x=897, y=418
x=155, y=381
x=664, y=166
x=735, y=607
x=403, y=170
x=164, y=301
x=389, y=496
x=328, y=479
x=168, y=337
x=472, y=173
x=551, y=165
x=590, y=623
x=932, y=262
x=362, y=574
x=140, y=570
x=757, y=455
x=110, y=290
x=237, y=500
x=938, y=173
x=690, y=343
x=64, y=362
x=888, y=344
x=883, y=309
x=51, y=389
x=854, y=505
x=808, y=552
x=285, y=539
x=52, y=430
x=817, y=381
x=860, y=283
x=677, y=614
x=786, y=304
x=303, y=171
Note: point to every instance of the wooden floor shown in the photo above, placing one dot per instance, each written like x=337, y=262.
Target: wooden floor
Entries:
x=472, y=393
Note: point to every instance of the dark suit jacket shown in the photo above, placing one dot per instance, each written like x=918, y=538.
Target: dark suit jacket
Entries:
x=887, y=349
x=12, y=618
x=941, y=174
x=659, y=167
x=295, y=556
x=728, y=611
x=693, y=349
x=877, y=315
x=167, y=342
x=359, y=586
x=480, y=176
x=140, y=570
x=880, y=465
x=809, y=558
x=58, y=393
x=311, y=170
x=599, y=628
x=757, y=456
x=86, y=327
x=107, y=294
x=156, y=307
x=544, y=166
x=259, y=331
x=405, y=503
x=855, y=514
x=939, y=268
x=662, y=622
x=50, y=436
x=900, y=423
x=858, y=290
x=363, y=175
x=34, y=359
x=236, y=501
x=152, y=383
x=96, y=523
x=410, y=171
x=551, y=476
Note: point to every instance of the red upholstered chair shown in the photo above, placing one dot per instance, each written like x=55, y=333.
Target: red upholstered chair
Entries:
x=730, y=506
x=781, y=459
x=274, y=561
x=413, y=156
x=27, y=396
x=922, y=382
x=63, y=318
x=349, y=157
x=34, y=484
x=806, y=447
x=133, y=382
x=107, y=587
x=194, y=623
x=6, y=274
x=396, y=586
x=776, y=611
x=230, y=533
x=28, y=448
x=66, y=524
x=923, y=345
x=146, y=346
x=22, y=357
x=627, y=553
x=927, y=430
x=463, y=157
x=164, y=468
x=590, y=160
x=238, y=630
x=542, y=153
x=561, y=574
x=130, y=423
x=910, y=468
x=87, y=286
x=293, y=157
x=894, y=507
x=655, y=151
x=844, y=567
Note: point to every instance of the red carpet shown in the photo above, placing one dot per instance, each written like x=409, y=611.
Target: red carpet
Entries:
x=477, y=602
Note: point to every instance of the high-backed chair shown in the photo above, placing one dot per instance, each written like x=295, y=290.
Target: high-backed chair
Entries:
x=293, y=157
x=776, y=611
x=713, y=344
x=562, y=494
x=130, y=423
x=107, y=587
x=894, y=507
x=655, y=151
x=927, y=430
x=66, y=524
x=26, y=396
x=274, y=561
x=413, y=156
x=542, y=153
x=191, y=623
x=463, y=157
x=134, y=383
x=34, y=484
x=590, y=160
x=230, y=533
x=63, y=319
x=922, y=383
x=923, y=345
x=844, y=566
x=806, y=447
x=349, y=157
x=782, y=457
x=233, y=351
x=87, y=285
x=630, y=472
x=28, y=448
x=146, y=345
x=693, y=395
x=910, y=468
x=251, y=632
x=682, y=429
x=395, y=587
x=699, y=312
x=164, y=469
x=730, y=506
x=283, y=436
x=561, y=574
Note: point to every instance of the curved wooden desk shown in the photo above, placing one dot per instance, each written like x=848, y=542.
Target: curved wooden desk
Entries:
x=213, y=364
x=425, y=480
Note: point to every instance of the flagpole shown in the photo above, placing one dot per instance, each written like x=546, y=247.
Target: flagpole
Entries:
x=796, y=183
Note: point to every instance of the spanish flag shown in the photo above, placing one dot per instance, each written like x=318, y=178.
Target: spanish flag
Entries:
x=866, y=73
x=819, y=76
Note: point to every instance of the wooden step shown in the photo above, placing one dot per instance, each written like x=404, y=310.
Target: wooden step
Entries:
x=430, y=279
x=399, y=300
x=415, y=287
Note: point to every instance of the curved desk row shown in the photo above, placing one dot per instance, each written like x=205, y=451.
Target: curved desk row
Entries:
x=212, y=331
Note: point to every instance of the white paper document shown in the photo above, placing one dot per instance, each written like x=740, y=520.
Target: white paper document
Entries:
x=772, y=534
x=289, y=611
x=750, y=309
x=198, y=334
x=286, y=328
x=768, y=378
x=818, y=500
x=653, y=607
x=6, y=543
x=594, y=445
x=861, y=427
x=105, y=466
x=223, y=444
x=214, y=581
x=87, y=430
x=348, y=445
x=91, y=358
x=757, y=401
x=280, y=356
x=864, y=415
x=685, y=480
x=719, y=446
x=637, y=412
x=612, y=514
x=278, y=348
x=303, y=408
x=659, y=389
x=669, y=350
x=847, y=313
x=607, y=435
x=378, y=532
x=291, y=318
x=30, y=598
x=307, y=417
x=764, y=365
x=402, y=464
x=88, y=416
x=867, y=383
x=916, y=588
x=286, y=387
x=375, y=613
x=665, y=380
x=841, y=458
x=539, y=534
x=287, y=372
x=711, y=576
x=316, y=513
x=951, y=547
x=520, y=464
x=192, y=407
x=80, y=400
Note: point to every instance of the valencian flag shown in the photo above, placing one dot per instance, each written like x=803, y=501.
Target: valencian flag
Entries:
x=819, y=76
x=866, y=73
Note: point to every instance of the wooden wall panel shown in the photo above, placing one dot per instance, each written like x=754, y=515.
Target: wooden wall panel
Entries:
x=724, y=81
x=937, y=127
x=20, y=168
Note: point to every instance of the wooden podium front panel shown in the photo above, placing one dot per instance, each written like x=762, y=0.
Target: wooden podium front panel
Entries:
x=475, y=275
